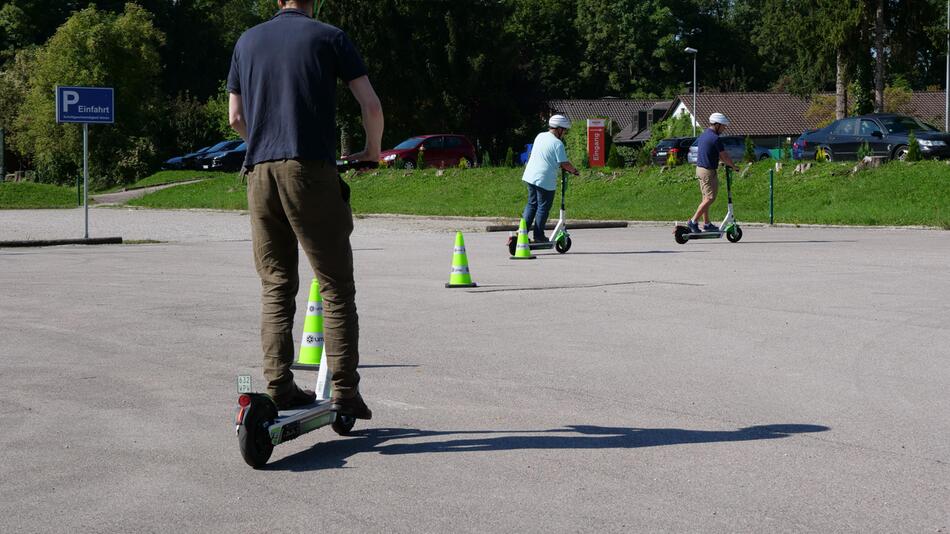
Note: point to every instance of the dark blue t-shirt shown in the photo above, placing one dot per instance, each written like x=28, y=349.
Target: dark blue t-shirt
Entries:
x=708, y=149
x=286, y=72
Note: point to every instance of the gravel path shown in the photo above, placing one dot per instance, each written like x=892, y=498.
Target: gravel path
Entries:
x=122, y=197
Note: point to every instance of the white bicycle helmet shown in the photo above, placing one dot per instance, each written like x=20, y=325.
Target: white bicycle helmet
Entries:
x=559, y=121
x=718, y=118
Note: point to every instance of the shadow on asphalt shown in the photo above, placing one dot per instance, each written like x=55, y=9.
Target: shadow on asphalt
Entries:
x=497, y=288
x=334, y=454
x=635, y=252
x=803, y=241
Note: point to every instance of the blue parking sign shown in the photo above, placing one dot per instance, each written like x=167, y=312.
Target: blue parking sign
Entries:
x=91, y=105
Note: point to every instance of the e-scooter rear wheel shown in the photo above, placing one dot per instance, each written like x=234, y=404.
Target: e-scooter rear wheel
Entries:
x=343, y=425
x=253, y=436
x=512, y=245
x=563, y=245
x=734, y=235
x=679, y=234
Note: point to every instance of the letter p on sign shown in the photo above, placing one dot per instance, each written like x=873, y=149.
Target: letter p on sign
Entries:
x=69, y=98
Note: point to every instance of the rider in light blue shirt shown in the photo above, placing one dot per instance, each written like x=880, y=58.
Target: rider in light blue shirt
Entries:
x=548, y=156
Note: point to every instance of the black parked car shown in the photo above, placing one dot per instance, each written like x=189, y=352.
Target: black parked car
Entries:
x=225, y=160
x=200, y=161
x=178, y=162
x=674, y=145
x=885, y=133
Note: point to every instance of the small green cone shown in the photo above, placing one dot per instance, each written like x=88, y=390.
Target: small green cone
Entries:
x=523, y=249
x=311, y=345
x=460, y=276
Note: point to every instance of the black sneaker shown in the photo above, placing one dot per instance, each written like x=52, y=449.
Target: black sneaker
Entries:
x=353, y=407
x=295, y=399
x=710, y=227
x=692, y=227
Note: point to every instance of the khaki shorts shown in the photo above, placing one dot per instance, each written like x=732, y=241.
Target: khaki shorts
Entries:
x=708, y=182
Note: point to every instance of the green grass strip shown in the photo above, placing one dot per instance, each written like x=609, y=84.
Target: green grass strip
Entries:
x=896, y=194
x=223, y=192
x=28, y=195
x=168, y=177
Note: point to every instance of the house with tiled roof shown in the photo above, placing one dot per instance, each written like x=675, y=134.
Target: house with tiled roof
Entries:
x=626, y=115
x=768, y=118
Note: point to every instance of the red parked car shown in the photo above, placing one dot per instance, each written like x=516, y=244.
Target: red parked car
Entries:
x=438, y=150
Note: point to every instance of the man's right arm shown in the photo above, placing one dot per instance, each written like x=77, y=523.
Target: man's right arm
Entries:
x=727, y=160
x=373, y=121
x=570, y=168
x=236, y=115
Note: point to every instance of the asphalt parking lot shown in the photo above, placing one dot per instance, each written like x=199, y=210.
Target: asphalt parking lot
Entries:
x=796, y=381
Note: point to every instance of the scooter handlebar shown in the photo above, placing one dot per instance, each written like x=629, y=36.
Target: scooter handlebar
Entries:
x=343, y=165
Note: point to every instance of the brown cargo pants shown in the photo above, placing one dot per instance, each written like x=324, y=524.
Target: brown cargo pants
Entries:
x=293, y=201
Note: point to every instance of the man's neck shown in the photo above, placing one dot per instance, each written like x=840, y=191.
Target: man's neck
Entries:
x=306, y=7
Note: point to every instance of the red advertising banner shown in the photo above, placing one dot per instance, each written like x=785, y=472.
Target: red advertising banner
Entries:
x=596, y=147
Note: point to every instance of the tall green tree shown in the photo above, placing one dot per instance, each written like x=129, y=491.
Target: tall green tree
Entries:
x=445, y=69
x=819, y=42
x=95, y=48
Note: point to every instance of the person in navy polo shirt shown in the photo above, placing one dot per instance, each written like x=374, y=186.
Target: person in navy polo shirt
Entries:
x=282, y=88
x=709, y=151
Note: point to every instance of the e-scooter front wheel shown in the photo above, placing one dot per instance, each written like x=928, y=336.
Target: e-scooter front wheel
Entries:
x=343, y=424
x=512, y=245
x=563, y=245
x=734, y=235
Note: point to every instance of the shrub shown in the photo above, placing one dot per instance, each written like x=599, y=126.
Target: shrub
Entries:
x=749, y=155
x=463, y=163
x=420, y=161
x=486, y=159
x=820, y=155
x=509, y=158
x=137, y=159
x=575, y=143
x=614, y=161
x=786, y=149
x=627, y=154
x=913, y=147
x=864, y=151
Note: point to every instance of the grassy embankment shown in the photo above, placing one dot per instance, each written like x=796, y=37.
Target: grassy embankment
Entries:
x=895, y=194
x=27, y=195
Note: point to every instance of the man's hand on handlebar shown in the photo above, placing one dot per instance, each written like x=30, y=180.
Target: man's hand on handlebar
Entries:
x=364, y=155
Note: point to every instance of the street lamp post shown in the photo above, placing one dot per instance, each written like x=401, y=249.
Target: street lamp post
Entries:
x=693, y=51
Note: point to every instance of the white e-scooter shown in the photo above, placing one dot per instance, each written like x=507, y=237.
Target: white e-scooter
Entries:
x=729, y=226
x=261, y=426
x=560, y=238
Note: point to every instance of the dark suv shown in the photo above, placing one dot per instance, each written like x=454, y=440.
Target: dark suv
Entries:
x=673, y=145
x=885, y=133
x=440, y=150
